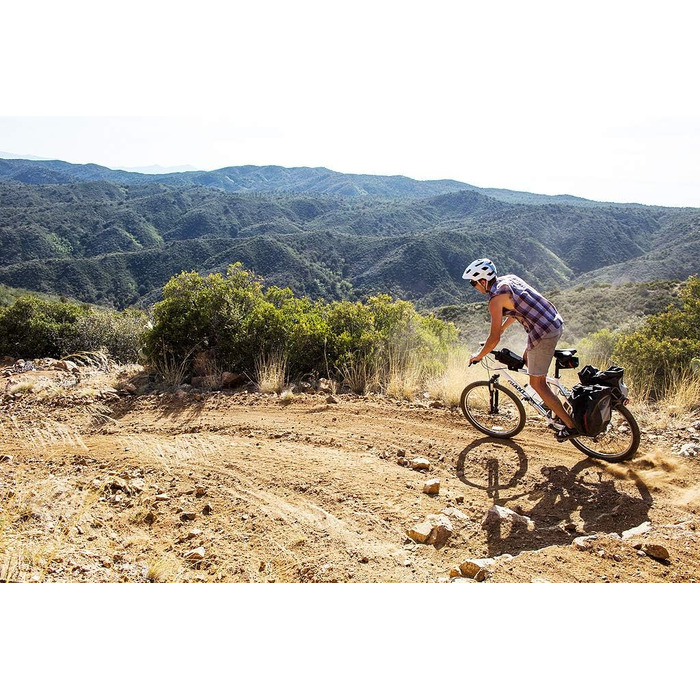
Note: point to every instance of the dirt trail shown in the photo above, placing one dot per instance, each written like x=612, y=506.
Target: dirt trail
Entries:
x=241, y=487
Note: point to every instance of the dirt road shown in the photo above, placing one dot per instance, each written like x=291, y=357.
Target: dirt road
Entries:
x=244, y=487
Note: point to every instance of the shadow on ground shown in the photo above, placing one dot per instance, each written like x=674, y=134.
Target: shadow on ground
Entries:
x=563, y=502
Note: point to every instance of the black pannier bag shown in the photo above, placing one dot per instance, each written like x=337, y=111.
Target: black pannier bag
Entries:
x=591, y=408
x=509, y=359
x=611, y=377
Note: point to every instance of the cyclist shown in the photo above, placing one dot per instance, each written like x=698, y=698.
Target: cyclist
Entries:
x=514, y=299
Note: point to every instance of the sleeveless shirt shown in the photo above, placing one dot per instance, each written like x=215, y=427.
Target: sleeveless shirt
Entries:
x=538, y=316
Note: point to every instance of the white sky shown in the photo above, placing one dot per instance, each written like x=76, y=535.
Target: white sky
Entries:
x=595, y=99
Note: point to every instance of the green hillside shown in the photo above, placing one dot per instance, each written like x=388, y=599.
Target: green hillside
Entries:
x=118, y=242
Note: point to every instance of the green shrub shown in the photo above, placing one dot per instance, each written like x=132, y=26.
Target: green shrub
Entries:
x=33, y=327
x=36, y=327
x=239, y=321
x=121, y=335
x=664, y=347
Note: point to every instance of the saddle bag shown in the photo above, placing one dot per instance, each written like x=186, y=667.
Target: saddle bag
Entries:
x=591, y=408
x=611, y=377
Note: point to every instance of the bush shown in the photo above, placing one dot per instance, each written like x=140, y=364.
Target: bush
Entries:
x=239, y=321
x=121, y=335
x=33, y=327
x=664, y=347
x=36, y=327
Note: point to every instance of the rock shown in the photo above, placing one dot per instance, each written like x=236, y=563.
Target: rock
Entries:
x=331, y=399
x=323, y=386
x=196, y=554
x=400, y=453
x=436, y=404
x=639, y=530
x=230, y=379
x=402, y=461
x=584, y=543
x=187, y=516
x=206, y=382
x=690, y=449
x=420, y=463
x=432, y=487
x=435, y=530
x=6, y=458
x=65, y=365
x=149, y=518
x=207, y=510
x=130, y=388
x=442, y=530
x=471, y=569
x=420, y=532
x=162, y=497
x=200, y=491
x=498, y=514
x=180, y=394
x=195, y=532
x=451, y=512
x=656, y=551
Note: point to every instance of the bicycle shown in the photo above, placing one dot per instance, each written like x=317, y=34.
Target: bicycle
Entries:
x=498, y=410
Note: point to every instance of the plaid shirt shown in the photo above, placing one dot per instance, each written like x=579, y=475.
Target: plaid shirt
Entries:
x=537, y=315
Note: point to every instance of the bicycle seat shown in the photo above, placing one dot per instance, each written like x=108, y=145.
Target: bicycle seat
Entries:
x=565, y=353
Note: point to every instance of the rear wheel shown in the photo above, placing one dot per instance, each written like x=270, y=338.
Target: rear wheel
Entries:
x=617, y=443
x=493, y=409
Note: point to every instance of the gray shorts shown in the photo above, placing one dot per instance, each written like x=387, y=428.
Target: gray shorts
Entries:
x=540, y=357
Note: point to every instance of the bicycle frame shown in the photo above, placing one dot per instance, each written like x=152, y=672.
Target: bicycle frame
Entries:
x=537, y=404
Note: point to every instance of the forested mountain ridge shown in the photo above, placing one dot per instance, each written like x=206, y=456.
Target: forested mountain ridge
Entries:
x=118, y=243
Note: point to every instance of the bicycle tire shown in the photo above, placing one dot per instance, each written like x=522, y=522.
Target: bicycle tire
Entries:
x=479, y=418
x=630, y=445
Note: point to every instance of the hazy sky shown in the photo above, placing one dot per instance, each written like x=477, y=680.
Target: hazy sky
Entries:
x=596, y=99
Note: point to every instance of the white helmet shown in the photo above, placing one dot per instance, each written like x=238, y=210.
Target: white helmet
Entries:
x=481, y=269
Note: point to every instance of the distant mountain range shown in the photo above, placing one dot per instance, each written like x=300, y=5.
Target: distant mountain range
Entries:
x=113, y=236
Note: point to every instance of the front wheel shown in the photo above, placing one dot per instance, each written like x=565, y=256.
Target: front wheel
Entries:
x=617, y=443
x=493, y=409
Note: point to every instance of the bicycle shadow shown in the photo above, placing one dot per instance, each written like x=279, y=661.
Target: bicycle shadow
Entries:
x=492, y=472
x=568, y=502
x=569, y=505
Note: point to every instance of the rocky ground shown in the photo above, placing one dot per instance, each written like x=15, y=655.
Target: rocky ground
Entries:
x=102, y=483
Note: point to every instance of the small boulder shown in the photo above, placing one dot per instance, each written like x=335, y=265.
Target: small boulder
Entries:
x=690, y=449
x=195, y=555
x=420, y=532
x=471, y=569
x=230, y=379
x=435, y=530
x=187, y=516
x=432, y=487
x=639, y=530
x=498, y=514
x=331, y=399
x=420, y=463
x=584, y=543
x=656, y=551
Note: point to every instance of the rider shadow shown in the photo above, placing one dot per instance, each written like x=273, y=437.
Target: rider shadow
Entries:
x=567, y=507
x=494, y=469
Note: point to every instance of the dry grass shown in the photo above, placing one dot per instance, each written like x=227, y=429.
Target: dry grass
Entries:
x=361, y=376
x=26, y=386
x=448, y=385
x=271, y=372
x=404, y=380
x=165, y=569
